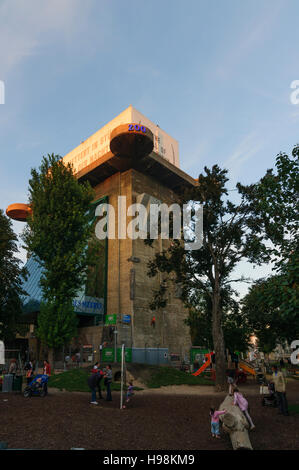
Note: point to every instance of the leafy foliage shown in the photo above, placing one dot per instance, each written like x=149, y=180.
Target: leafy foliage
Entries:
x=57, y=323
x=230, y=235
x=264, y=310
x=95, y=282
x=236, y=328
x=274, y=201
x=11, y=278
x=57, y=233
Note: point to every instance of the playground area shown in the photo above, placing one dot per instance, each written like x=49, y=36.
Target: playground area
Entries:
x=175, y=417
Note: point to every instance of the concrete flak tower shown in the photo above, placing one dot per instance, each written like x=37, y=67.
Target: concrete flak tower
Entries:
x=128, y=161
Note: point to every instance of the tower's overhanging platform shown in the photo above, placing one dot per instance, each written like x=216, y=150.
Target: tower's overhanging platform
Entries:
x=130, y=140
x=98, y=158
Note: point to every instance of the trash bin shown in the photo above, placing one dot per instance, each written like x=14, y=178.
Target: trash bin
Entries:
x=7, y=383
x=17, y=383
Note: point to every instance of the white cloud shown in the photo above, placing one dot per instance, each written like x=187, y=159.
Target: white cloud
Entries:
x=196, y=152
x=28, y=25
x=249, y=146
x=262, y=29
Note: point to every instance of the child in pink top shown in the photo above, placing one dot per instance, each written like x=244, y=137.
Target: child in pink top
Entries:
x=215, y=421
x=242, y=403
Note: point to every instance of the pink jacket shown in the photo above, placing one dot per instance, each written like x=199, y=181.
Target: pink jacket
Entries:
x=215, y=416
x=240, y=401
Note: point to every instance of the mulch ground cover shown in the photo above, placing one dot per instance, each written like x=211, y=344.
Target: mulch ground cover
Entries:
x=65, y=420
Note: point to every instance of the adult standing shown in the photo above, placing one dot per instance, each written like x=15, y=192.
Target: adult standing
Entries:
x=78, y=358
x=46, y=371
x=231, y=380
x=252, y=356
x=213, y=359
x=29, y=371
x=108, y=381
x=92, y=381
x=67, y=360
x=280, y=390
x=47, y=368
x=13, y=367
x=97, y=370
x=235, y=359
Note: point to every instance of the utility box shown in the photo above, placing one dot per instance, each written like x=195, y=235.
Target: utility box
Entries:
x=17, y=383
x=7, y=383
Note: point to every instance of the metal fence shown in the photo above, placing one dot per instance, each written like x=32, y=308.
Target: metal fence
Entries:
x=153, y=356
x=71, y=358
x=12, y=355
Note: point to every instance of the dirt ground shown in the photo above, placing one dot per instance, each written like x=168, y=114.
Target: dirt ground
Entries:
x=174, y=418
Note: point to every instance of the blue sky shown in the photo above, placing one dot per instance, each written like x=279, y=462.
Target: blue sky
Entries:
x=214, y=75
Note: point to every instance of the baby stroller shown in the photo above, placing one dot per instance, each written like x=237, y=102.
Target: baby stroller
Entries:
x=37, y=387
x=270, y=398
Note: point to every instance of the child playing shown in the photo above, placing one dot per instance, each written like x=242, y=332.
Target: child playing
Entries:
x=215, y=422
x=130, y=392
x=242, y=403
x=231, y=382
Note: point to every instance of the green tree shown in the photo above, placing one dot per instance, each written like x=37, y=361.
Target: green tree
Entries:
x=11, y=278
x=274, y=201
x=230, y=235
x=57, y=234
x=263, y=308
x=236, y=329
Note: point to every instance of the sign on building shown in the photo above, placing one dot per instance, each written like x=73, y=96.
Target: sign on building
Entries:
x=111, y=319
x=98, y=144
x=126, y=319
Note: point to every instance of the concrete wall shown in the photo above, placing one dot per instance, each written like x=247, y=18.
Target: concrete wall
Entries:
x=170, y=331
x=132, y=298
x=91, y=335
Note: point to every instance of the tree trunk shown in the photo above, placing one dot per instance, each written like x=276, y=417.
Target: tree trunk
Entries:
x=236, y=424
x=38, y=350
x=51, y=357
x=218, y=341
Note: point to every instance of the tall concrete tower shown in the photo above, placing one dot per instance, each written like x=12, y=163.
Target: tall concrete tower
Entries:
x=130, y=160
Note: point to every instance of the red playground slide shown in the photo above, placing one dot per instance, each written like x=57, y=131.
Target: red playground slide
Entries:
x=205, y=365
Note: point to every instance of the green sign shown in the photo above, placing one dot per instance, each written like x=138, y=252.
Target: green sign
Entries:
x=128, y=354
x=108, y=355
x=110, y=319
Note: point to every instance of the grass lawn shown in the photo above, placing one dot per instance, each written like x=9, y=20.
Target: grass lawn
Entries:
x=163, y=376
x=294, y=409
x=75, y=380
